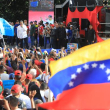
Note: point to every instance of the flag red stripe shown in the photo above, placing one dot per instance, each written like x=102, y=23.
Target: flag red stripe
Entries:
x=85, y=96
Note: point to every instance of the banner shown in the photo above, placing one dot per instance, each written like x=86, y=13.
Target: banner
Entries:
x=41, y=10
x=6, y=28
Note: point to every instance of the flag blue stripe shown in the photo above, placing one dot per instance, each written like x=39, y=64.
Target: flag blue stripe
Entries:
x=90, y=73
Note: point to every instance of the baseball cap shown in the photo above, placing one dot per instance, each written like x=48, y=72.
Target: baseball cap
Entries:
x=11, y=76
x=54, y=50
x=17, y=73
x=6, y=92
x=31, y=22
x=53, y=25
x=38, y=63
x=16, y=88
x=35, y=21
x=46, y=23
x=29, y=76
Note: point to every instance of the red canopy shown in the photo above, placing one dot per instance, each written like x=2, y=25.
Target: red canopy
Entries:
x=86, y=14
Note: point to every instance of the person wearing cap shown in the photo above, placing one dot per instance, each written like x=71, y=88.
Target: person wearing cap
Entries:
x=22, y=34
x=32, y=33
x=18, y=75
x=16, y=91
x=52, y=36
x=61, y=37
x=22, y=96
x=27, y=81
x=6, y=92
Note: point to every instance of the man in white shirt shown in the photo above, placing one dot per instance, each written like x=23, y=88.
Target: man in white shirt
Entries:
x=1, y=39
x=22, y=34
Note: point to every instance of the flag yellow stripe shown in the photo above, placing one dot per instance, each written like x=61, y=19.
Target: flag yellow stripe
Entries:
x=95, y=52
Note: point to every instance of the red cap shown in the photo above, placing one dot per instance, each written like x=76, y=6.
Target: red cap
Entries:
x=17, y=73
x=51, y=59
x=16, y=88
x=29, y=76
x=52, y=25
x=38, y=63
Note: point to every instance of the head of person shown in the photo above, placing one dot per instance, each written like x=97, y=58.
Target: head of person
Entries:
x=35, y=87
x=52, y=26
x=71, y=27
x=21, y=22
x=50, y=17
x=90, y=27
x=61, y=24
x=37, y=101
x=25, y=22
x=28, y=79
x=13, y=102
x=17, y=21
x=16, y=90
x=11, y=76
x=18, y=74
x=14, y=65
x=6, y=92
x=46, y=23
x=43, y=86
x=1, y=69
x=39, y=24
x=35, y=22
x=33, y=72
x=31, y=23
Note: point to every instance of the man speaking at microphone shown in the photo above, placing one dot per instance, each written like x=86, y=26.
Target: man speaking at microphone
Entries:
x=22, y=34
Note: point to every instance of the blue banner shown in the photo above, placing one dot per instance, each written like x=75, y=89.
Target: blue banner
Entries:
x=6, y=28
x=34, y=4
x=7, y=84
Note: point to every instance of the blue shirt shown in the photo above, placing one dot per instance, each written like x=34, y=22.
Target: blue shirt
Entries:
x=15, y=28
x=69, y=33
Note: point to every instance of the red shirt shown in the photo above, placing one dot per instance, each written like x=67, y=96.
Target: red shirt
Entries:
x=41, y=30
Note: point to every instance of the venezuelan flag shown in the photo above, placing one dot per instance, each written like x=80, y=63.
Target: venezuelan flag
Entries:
x=82, y=79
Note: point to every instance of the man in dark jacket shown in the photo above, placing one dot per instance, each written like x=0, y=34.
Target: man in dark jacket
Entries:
x=61, y=38
x=91, y=34
x=32, y=33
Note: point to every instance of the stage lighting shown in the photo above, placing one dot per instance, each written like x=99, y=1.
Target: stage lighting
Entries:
x=105, y=2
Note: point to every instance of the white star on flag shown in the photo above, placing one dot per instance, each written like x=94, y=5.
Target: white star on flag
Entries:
x=102, y=66
x=94, y=65
x=108, y=78
x=108, y=71
x=86, y=66
x=79, y=70
x=71, y=84
x=73, y=76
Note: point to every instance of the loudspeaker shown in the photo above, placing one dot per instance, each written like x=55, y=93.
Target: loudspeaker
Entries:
x=60, y=19
x=84, y=24
x=76, y=22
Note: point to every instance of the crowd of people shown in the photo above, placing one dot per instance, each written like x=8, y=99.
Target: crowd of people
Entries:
x=46, y=35
x=30, y=71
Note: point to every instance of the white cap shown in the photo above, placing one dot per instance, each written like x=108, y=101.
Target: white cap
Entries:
x=54, y=50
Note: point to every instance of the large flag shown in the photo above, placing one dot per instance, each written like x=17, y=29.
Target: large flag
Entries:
x=82, y=79
x=6, y=28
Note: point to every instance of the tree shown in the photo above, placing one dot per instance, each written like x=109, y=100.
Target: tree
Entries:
x=13, y=10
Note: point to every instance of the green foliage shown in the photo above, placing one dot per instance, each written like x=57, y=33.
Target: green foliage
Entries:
x=13, y=10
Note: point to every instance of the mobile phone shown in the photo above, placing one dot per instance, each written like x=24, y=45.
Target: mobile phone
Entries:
x=2, y=102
